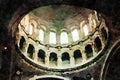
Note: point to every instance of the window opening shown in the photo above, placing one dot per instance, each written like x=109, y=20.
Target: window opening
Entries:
x=66, y=58
x=89, y=51
x=104, y=33
x=94, y=23
x=77, y=56
x=52, y=38
x=63, y=38
x=41, y=35
x=41, y=55
x=98, y=43
x=30, y=50
x=22, y=41
x=85, y=28
x=31, y=29
x=75, y=35
x=53, y=56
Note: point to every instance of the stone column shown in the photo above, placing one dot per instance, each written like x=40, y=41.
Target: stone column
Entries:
x=47, y=58
x=35, y=54
x=59, y=62
x=84, y=56
x=25, y=48
x=94, y=49
x=72, y=60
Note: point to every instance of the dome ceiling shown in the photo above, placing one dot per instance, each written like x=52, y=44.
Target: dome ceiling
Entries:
x=62, y=16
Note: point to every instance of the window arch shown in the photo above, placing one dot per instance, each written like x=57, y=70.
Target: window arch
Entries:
x=98, y=43
x=75, y=35
x=66, y=58
x=52, y=37
x=53, y=58
x=22, y=41
x=89, y=51
x=94, y=23
x=41, y=55
x=63, y=37
x=78, y=56
x=41, y=35
x=104, y=33
x=30, y=50
x=85, y=29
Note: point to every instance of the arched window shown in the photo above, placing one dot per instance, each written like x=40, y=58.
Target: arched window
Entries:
x=41, y=35
x=52, y=38
x=94, y=23
x=104, y=33
x=77, y=56
x=41, y=55
x=98, y=44
x=30, y=50
x=63, y=38
x=53, y=56
x=75, y=35
x=53, y=59
x=66, y=58
x=22, y=41
x=85, y=28
x=89, y=51
x=31, y=29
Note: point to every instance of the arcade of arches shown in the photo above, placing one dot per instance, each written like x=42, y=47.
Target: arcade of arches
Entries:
x=79, y=39
x=59, y=40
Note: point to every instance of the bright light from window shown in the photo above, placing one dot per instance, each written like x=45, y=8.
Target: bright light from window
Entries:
x=75, y=35
x=52, y=38
x=41, y=35
x=85, y=28
x=63, y=38
x=31, y=29
x=27, y=29
x=94, y=23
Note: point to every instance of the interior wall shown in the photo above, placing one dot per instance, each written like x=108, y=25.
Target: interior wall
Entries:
x=12, y=12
